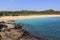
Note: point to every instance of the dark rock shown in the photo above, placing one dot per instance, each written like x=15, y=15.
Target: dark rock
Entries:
x=2, y=25
x=2, y=22
x=18, y=26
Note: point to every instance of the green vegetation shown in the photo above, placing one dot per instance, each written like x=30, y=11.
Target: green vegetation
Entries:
x=17, y=13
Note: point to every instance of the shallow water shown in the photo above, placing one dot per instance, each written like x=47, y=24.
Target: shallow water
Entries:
x=48, y=28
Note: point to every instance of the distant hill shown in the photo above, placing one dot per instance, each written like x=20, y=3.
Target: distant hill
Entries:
x=25, y=12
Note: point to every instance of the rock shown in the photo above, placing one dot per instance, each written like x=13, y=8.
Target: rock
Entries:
x=10, y=25
x=2, y=26
x=1, y=21
x=15, y=32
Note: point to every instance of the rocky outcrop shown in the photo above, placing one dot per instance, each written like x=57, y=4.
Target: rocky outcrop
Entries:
x=15, y=32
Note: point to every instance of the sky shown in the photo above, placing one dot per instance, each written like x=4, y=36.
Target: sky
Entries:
x=32, y=5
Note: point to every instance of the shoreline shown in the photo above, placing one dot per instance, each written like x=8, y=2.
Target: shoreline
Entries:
x=8, y=18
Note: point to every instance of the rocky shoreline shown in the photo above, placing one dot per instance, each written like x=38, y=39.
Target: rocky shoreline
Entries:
x=15, y=32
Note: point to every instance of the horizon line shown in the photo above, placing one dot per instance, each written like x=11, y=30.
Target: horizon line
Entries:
x=27, y=10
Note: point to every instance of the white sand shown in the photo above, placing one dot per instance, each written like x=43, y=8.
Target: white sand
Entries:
x=6, y=18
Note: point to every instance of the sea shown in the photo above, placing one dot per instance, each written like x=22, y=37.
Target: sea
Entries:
x=48, y=27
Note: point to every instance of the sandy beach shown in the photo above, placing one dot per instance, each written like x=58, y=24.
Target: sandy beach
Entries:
x=7, y=18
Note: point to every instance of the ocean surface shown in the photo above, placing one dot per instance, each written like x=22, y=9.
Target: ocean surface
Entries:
x=48, y=28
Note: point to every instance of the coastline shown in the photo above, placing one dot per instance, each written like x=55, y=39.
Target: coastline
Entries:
x=8, y=18
x=24, y=32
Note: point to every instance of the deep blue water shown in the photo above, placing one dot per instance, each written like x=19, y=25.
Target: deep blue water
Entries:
x=48, y=28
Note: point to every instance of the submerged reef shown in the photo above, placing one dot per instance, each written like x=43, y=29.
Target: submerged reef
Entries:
x=15, y=32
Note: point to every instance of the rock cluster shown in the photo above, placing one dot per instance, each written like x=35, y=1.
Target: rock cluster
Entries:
x=15, y=32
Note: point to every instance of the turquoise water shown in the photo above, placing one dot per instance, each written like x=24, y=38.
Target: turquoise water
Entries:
x=48, y=28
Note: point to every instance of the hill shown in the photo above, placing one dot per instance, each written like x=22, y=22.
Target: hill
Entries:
x=24, y=12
